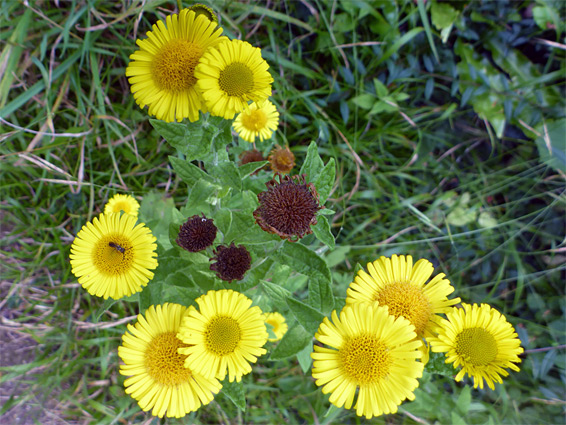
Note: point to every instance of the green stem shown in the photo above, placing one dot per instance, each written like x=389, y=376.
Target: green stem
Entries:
x=180, y=5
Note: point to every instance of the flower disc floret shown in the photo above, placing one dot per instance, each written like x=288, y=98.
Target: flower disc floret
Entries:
x=396, y=283
x=112, y=256
x=278, y=323
x=125, y=203
x=232, y=74
x=223, y=335
x=372, y=354
x=158, y=379
x=260, y=120
x=162, y=71
x=481, y=341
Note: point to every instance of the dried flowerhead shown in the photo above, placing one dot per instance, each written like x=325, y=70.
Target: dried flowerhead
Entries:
x=281, y=160
x=288, y=207
x=197, y=233
x=232, y=262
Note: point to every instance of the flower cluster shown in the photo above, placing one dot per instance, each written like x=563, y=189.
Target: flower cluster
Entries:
x=391, y=313
x=369, y=356
x=185, y=66
x=176, y=357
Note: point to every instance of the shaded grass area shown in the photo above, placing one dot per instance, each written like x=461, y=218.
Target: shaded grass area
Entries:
x=418, y=172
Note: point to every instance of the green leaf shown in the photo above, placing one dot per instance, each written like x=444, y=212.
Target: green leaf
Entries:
x=303, y=261
x=199, y=195
x=186, y=138
x=321, y=296
x=235, y=392
x=464, y=400
x=188, y=172
x=223, y=220
x=276, y=293
x=251, y=167
x=443, y=15
x=323, y=233
x=312, y=164
x=552, y=144
x=227, y=174
x=304, y=357
x=308, y=317
x=292, y=342
x=364, y=101
x=325, y=180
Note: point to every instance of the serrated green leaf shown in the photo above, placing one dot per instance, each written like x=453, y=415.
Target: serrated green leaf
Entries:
x=323, y=233
x=186, y=138
x=325, y=180
x=227, y=174
x=312, y=164
x=235, y=392
x=307, y=316
x=223, y=220
x=251, y=167
x=188, y=172
x=321, y=296
x=303, y=261
x=292, y=342
x=276, y=293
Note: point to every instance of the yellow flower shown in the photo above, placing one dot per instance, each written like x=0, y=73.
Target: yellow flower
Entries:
x=373, y=352
x=112, y=256
x=158, y=378
x=396, y=283
x=231, y=74
x=223, y=336
x=161, y=72
x=125, y=203
x=481, y=341
x=277, y=321
x=259, y=120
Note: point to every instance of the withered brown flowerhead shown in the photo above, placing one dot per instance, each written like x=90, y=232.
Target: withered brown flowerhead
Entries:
x=251, y=156
x=288, y=207
x=197, y=233
x=281, y=160
x=232, y=262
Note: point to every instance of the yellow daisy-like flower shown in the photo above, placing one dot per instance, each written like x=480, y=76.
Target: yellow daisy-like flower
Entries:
x=373, y=354
x=396, y=283
x=161, y=72
x=481, y=341
x=259, y=120
x=112, y=256
x=231, y=74
x=223, y=336
x=277, y=321
x=120, y=202
x=158, y=378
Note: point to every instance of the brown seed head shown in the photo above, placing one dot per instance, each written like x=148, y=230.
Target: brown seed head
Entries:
x=197, y=233
x=288, y=207
x=251, y=156
x=232, y=262
x=282, y=160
